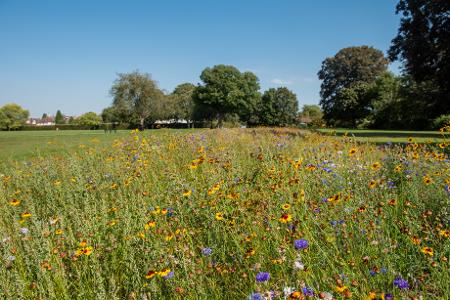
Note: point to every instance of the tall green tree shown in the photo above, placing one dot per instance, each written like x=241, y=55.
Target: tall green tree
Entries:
x=225, y=90
x=137, y=94
x=44, y=116
x=423, y=45
x=279, y=107
x=182, y=102
x=312, y=111
x=59, y=118
x=350, y=68
x=12, y=116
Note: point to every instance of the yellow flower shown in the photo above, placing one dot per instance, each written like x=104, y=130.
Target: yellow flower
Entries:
x=25, y=215
x=444, y=233
x=164, y=272
x=285, y=218
x=219, y=216
x=58, y=231
x=56, y=182
x=398, y=168
x=427, y=251
x=352, y=151
x=286, y=206
x=87, y=250
x=169, y=237
x=187, y=193
x=150, y=224
x=14, y=202
x=341, y=289
x=376, y=166
x=427, y=180
x=372, y=184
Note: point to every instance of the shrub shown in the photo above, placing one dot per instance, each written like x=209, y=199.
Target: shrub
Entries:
x=441, y=121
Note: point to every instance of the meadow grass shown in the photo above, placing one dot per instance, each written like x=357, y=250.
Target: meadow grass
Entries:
x=226, y=214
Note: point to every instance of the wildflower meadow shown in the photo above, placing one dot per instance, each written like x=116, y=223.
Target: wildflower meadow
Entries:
x=227, y=214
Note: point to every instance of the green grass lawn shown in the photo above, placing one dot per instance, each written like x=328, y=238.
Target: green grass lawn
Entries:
x=19, y=145
x=384, y=136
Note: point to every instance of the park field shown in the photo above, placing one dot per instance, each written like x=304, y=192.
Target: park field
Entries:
x=224, y=214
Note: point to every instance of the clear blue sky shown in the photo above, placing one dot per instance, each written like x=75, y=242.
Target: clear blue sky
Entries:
x=65, y=54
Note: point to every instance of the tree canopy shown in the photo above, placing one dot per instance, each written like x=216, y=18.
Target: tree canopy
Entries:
x=89, y=119
x=225, y=90
x=279, y=107
x=137, y=95
x=423, y=46
x=12, y=116
x=349, y=69
x=59, y=118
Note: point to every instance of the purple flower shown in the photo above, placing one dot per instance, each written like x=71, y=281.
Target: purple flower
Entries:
x=254, y=296
x=262, y=276
x=388, y=296
x=207, y=251
x=168, y=276
x=308, y=291
x=301, y=244
x=401, y=283
x=447, y=189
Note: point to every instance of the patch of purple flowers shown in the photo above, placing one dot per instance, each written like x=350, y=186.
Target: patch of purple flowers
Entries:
x=207, y=251
x=308, y=291
x=262, y=276
x=401, y=283
x=301, y=244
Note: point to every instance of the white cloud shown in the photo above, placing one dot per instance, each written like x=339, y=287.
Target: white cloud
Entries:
x=281, y=81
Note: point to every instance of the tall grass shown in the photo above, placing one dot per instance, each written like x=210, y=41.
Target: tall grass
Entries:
x=200, y=215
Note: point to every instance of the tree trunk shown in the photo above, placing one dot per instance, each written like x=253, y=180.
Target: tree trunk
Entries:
x=141, y=126
x=220, y=118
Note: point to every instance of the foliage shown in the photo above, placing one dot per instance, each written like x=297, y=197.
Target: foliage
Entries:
x=278, y=107
x=182, y=103
x=59, y=118
x=12, y=116
x=89, y=119
x=423, y=45
x=344, y=78
x=137, y=95
x=441, y=121
x=226, y=214
x=225, y=90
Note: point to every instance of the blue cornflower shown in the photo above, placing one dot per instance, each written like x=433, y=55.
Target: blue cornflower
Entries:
x=301, y=244
x=401, y=283
x=170, y=275
x=388, y=296
x=207, y=251
x=262, y=276
x=254, y=296
x=308, y=291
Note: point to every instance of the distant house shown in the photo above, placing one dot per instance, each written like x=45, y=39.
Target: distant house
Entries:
x=41, y=121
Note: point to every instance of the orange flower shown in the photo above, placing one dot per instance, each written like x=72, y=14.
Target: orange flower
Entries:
x=150, y=274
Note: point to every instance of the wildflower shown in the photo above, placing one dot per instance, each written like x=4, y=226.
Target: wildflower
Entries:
x=164, y=272
x=58, y=231
x=87, y=250
x=219, y=216
x=150, y=274
x=207, y=251
x=149, y=224
x=299, y=265
x=398, y=168
x=352, y=151
x=447, y=189
x=168, y=276
x=301, y=244
x=250, y=252
x=427, y=180
x=295, y=295
x=427, y=251
x=444, y=233
x=341, y=288
x=25, y=215
x=309, y=292
x=285, y=218
x=254, y=296
x=372, y=184
x=24, y=230
x=375, y=166
x=83, y=243
x=401, y=283
x=286, y=206
x=14, y=202
x=262, y=276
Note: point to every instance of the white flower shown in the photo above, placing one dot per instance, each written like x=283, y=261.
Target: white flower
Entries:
x=11, y=258
x=288, y=290
x=299, y=265
x=24, y=230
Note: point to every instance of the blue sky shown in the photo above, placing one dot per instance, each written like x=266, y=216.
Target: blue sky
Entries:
x=66, y=54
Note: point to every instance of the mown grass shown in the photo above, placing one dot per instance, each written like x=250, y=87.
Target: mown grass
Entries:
x=199, y=214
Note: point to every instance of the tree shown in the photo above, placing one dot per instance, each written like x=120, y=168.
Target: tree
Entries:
x=182, y=103
x=312, y=111
x=89, y=119
x=59, y=118
x=44, y=116
x=12, y=116
x=111, y=114
x=350, y=66
x=225, y=90
x=423, y=45
x=137, y=94
x=279, y=107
